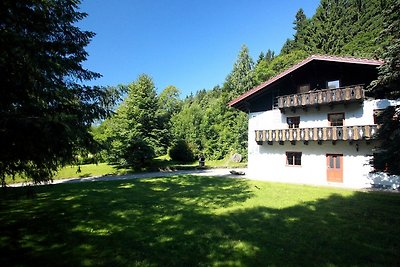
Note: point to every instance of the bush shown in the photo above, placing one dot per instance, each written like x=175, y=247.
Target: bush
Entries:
x=138, y=154
x=181, y=151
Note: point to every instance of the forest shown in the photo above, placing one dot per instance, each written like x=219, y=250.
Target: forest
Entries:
x=147, y=124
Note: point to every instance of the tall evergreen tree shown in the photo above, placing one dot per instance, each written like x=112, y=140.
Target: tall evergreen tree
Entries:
x=388, y=85
x=45, y=111
x=134, y=133
x=388, y=82
x=301, y=35
x=241, y=78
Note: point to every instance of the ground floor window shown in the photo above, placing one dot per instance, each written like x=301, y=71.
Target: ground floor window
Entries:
x=293, y=158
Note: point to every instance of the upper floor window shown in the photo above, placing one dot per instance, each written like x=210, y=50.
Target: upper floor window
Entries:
x=293, y=122
x=293, y=158
x=336, y=119
x=333, y=84
x=303, y=88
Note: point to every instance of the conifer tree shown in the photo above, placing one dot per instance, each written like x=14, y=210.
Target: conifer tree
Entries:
x=134, y=133
x=45, y=111
x=388, y=85
x=241, y=78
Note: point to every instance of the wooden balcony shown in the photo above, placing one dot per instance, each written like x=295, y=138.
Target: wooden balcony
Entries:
x=321, y=97
x=333, y=133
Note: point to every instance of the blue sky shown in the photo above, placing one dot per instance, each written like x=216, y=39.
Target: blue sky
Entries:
x=189, y=44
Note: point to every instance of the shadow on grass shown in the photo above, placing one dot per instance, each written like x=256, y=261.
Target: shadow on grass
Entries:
x=193, y=221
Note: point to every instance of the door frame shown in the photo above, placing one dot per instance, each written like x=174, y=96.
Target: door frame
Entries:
x=334, y=175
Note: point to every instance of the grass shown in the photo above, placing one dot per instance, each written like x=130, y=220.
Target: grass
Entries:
x=197, y=221
x=87, y=170
x=102, y=169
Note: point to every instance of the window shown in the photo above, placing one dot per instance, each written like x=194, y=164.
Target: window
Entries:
x=293, y=122
x=303, y=88
x=333, y=84
x=334, y=161
x=336, y=119
x=293, y=158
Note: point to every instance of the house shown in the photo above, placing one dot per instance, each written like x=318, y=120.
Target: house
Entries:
x=315, y=124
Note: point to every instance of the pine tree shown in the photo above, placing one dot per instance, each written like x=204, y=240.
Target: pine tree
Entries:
x=45, y=111
x=241, y=78
x=388, y=85
x=388, y=82
x=134, y=133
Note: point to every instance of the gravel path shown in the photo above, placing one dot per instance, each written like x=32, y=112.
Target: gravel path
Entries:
x=223, y=172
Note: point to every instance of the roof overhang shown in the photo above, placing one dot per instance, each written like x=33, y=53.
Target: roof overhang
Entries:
x=263, y=86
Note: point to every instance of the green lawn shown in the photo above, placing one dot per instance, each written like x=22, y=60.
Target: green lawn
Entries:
x=101, y=169
x=197, y=221
x=87, y=170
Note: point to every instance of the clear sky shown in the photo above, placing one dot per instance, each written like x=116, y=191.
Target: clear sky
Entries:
x=191, y=44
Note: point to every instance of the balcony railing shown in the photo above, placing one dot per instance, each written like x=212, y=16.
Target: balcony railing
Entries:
x=322, y=97
x=333, y=133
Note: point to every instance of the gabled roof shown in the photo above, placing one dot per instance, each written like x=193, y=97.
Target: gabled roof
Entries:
x=362, y=61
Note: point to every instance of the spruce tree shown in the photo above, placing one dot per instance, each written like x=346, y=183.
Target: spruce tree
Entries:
x=45, y=110
x=388, y=85
x=241, y=78
x=135, y=133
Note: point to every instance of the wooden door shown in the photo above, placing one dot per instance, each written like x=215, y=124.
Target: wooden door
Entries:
x=334, y=168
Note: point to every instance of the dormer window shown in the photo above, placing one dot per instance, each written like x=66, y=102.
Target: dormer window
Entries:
x=333, y=84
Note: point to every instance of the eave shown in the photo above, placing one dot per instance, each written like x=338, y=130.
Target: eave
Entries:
x=264, y=86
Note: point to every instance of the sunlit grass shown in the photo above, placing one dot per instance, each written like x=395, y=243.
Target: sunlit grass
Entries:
x=87, y=170
x=78, y=171
x=102, y=169
x=197, y=221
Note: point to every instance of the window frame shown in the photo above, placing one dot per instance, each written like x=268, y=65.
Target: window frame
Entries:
x=293, y=158
x=337, y=113
x=333, y=81
x=293, y=125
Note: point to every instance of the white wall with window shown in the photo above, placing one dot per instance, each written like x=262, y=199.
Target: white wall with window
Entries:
x=278, y=163
x=270, y=162
x=354, y=114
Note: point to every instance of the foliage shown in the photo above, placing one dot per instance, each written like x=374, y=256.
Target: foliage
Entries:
x=241, y=77
x=45, y=110
x=169, y=104
x=209, y=126
x=388, y=82
x=198, y=221
x=339, y=27
x=181, y=152
x=388, y=85
x=387, y=159
x=133, y=135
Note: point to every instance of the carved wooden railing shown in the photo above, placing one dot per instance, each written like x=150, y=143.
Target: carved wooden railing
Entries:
x=326, y=96
x=333, y=133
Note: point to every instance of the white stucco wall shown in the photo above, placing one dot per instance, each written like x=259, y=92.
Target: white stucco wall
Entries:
x=268, y=162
